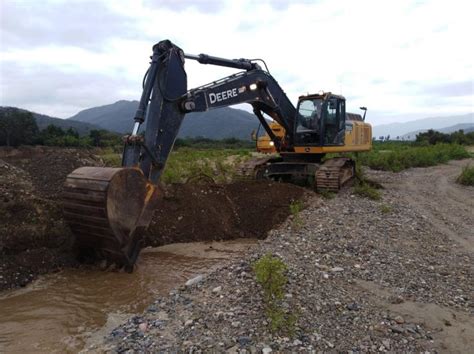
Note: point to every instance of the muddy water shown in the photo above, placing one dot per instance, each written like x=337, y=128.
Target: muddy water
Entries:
x=72, y=309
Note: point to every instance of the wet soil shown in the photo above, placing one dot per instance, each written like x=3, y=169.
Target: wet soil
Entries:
x=196, y=212
x=34, y=239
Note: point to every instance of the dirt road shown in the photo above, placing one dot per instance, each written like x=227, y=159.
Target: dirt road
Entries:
x=446, y=204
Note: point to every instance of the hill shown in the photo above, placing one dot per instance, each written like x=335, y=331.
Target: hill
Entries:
x=43, y=121
x=412, y=127
x=214, y=124
x=466, y=127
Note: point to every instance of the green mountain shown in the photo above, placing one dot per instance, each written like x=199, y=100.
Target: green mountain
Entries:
x=214, y=124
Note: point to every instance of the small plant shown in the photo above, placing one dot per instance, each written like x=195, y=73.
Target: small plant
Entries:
x=326, y=194
x=385, y=209
x=367, y=191
x=467, y=176
x=270, y=274
x=295, y=209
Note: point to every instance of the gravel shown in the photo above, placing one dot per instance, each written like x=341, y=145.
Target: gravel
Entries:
x=361, y=277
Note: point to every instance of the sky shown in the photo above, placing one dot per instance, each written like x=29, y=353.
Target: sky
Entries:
x=402, y=59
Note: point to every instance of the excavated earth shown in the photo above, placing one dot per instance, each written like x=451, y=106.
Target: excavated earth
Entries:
x=34, y=238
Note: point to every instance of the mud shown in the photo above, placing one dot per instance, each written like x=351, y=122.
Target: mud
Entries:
x=74, y=309
x=34, y=239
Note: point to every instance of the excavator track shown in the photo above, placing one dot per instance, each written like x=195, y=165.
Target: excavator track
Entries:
x=107, y=210
x=334, y=173
x=251, y=169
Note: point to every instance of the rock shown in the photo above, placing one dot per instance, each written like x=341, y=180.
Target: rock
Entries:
x=235, y=324
x=244, y=341
x=195, y=280
x=397, y=329
x=217, y=289
x=266, y=350
x=386, y=343
x=399, y=319
x=337, y=269
x=188, y=323
x=143, y=326
x=353, y=306
x=297, y=342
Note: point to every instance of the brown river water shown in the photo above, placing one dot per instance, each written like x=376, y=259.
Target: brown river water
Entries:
x=73, y=309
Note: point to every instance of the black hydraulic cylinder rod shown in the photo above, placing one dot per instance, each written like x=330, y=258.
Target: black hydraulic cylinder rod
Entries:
x=150, y=79
x=243, y=64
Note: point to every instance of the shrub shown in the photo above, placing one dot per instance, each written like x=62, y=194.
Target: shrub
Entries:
x=295, y=208
x=270, y=274
x=467, y=176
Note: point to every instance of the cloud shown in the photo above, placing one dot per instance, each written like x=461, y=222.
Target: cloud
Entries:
x=88, y=24
x=451, y=89
x=393, y=57
x=60, y=93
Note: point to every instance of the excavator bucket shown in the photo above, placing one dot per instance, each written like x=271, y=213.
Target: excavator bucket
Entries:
x=108, y=209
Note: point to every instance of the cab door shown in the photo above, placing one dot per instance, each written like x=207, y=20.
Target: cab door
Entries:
x=333, y=122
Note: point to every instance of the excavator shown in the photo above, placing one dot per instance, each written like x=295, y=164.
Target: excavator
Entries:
x=265, y=145
x=108, y=209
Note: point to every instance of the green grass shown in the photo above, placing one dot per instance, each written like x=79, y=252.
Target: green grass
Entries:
x=467, y=176
x=188, y=163
x=397, y=156
x=367, y=191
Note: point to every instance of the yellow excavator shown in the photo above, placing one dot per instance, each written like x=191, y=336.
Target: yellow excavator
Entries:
x=108, y=208
x=356, y=131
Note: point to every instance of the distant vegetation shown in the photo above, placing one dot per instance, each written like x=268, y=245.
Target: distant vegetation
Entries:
x=433, y=137
x=19, y=127
x=397, y=156
x=467, y=176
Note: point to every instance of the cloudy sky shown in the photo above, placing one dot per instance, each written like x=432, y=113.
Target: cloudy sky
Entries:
x=402, y=59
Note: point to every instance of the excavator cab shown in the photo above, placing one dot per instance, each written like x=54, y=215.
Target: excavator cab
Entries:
x=320, y=120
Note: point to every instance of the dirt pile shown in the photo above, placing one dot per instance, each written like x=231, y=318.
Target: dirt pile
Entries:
x=34, y=238
x=48, y=167
x=199, y=212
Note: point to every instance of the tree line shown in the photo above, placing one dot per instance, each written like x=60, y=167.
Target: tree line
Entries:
x=18, y=127
x=433, y=137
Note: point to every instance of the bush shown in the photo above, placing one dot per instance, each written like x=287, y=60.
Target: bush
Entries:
x=467, y=176
x=270, y=274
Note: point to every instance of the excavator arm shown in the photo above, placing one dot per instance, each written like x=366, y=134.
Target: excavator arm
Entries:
x=108, y=208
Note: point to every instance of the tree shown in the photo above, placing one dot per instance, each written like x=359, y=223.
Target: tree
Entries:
x=17, y=127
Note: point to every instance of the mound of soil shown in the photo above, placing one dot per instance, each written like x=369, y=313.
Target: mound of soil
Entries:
x=201, y=212
x=48, y=167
